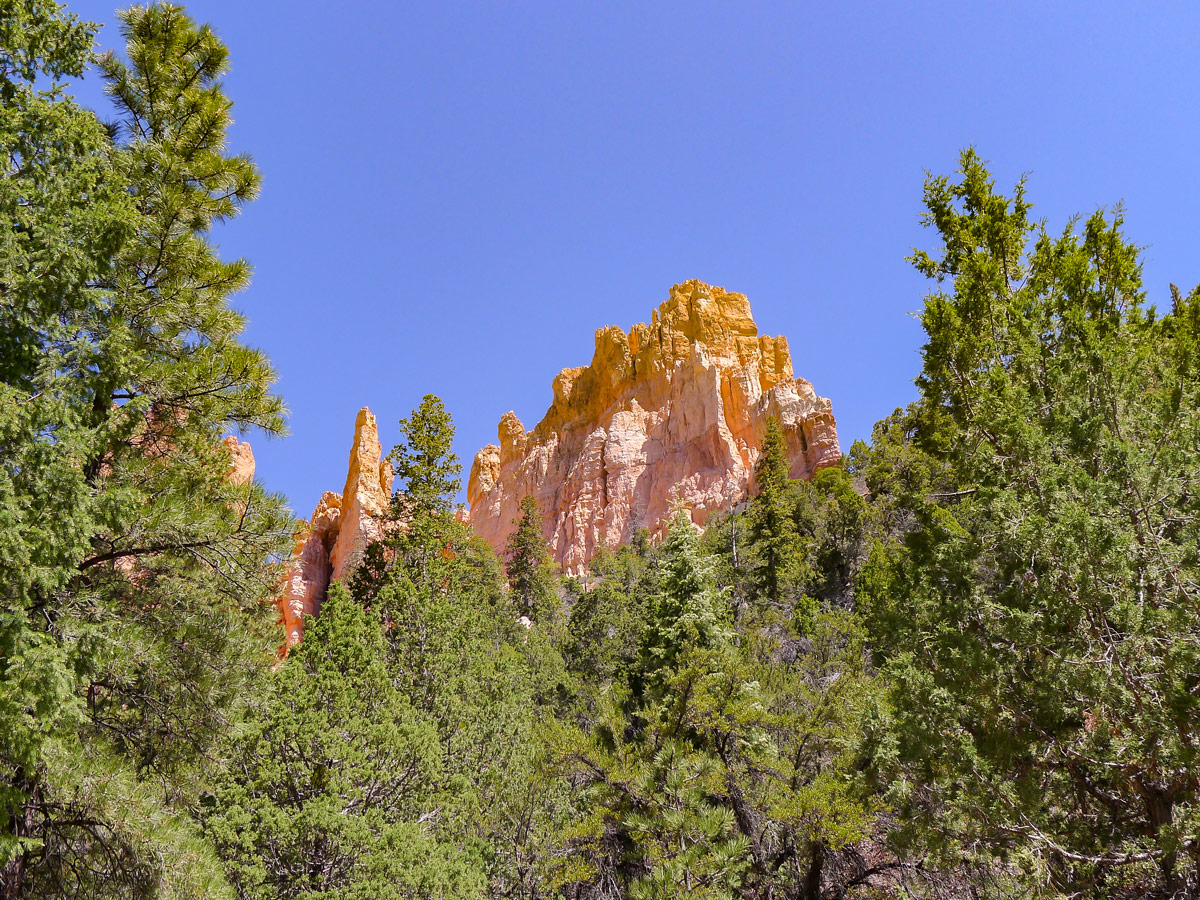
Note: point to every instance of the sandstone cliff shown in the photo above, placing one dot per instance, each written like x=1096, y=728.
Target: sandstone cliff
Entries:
x=331, y=543
x=673, y=409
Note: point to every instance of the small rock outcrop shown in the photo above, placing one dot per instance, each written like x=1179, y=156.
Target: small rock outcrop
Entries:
x=330, y=544
x=241, y=460
x=673, y=410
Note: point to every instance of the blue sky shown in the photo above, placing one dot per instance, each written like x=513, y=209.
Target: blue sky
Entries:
x=456, y=195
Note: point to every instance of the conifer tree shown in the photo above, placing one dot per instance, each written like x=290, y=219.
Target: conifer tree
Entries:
x=530, y=568
x=427, y=470
x=606, y=619
x=427, y=478
x=687, y=611
x=1038, y=613
x=720, y=769
x=835, y=524
x=462, y=660
x=133, y=568
x=334, y=778
x=773, y=537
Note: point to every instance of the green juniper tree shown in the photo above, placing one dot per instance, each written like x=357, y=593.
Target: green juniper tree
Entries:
x=333, y=781
x=1038, y=613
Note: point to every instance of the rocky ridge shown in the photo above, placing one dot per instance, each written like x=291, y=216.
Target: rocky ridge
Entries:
x=673, y=411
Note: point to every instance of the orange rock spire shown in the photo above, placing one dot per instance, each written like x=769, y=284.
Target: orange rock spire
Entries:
x=331, y=543
x=673, y=409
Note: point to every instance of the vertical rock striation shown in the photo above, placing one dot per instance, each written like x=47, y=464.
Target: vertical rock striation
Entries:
x=673, y=410
x=365, y=499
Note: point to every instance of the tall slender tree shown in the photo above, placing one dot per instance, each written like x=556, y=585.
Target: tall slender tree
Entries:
x=427, y=470
x=773, y=537
x=464, y=662
x=529, y=567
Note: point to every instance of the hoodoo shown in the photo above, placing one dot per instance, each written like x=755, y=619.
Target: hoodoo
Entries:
x=670, y=411
x=331, y=543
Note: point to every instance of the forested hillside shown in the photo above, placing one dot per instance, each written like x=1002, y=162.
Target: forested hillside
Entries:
x=963, y=663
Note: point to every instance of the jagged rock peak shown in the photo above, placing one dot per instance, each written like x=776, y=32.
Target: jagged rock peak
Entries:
x=328, y=546
x=672, y=409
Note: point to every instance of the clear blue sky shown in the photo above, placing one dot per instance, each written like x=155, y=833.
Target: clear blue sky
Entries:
x=456, y=195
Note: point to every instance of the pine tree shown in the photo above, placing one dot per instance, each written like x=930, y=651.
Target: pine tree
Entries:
x=461, y=658
x=427, y=471
x=773, y=538
x=687, y=611
x=529, y=567
x=133, y=568
x=723, y=768
x=427, y=478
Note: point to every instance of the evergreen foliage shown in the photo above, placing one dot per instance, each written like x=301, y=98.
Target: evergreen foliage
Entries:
x=772, y=532
x=724, y=765
x=530, y=568
x=132, y=624
x=334, y=780
x=462, y=659
x=427, y=471
x=1037, y=612
x=686, y=610
x=964, y=662
x=605, y=625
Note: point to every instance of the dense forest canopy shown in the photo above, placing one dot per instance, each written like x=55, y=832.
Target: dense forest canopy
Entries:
x=963, y=663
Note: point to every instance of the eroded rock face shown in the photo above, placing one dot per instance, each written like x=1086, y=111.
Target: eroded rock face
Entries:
x=673, y=409
x=365, y=499
x=306, y=579
x=241, y=460
x=329, y=545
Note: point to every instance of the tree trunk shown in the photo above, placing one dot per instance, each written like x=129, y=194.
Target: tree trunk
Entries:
x=810, y=889
x=12, y=876
x=1160, y=809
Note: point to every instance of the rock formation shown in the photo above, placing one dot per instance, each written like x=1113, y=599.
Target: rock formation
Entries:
x=672, y=410
x=330, y=544
x=241, y=460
